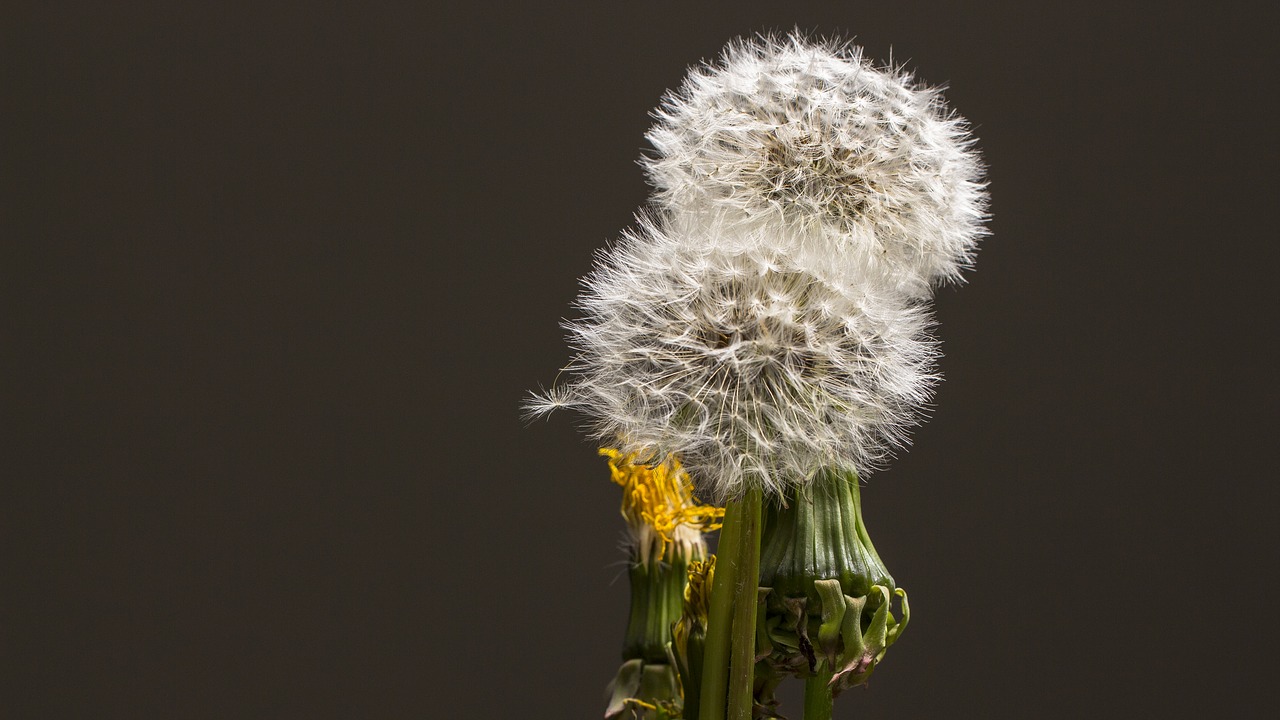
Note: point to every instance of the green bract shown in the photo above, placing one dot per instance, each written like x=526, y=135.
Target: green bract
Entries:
x=825, y=593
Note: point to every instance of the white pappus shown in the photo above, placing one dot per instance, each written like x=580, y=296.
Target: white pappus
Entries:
x=812, y=141
x=742, y=363
x=768, y=317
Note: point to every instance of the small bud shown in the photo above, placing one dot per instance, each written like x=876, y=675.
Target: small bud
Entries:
x=688, y=636
x=666, y=526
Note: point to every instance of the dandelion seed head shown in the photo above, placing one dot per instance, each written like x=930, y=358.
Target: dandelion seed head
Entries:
x=768, y=317
x=812, y=141
x=750, y=367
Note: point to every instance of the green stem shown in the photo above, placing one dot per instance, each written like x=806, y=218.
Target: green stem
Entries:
x=715, y=657
x=745, y=602
x=817, y=697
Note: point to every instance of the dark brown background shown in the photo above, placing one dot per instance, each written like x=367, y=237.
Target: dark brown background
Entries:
x=279, y=278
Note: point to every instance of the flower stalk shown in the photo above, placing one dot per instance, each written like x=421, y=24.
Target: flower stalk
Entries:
x=742, y=660
x=818, y=700
x=715, y=678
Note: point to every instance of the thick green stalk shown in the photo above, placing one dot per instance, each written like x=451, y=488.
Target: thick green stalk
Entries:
x=715, y=658
x=745, y=602
x=817, y=697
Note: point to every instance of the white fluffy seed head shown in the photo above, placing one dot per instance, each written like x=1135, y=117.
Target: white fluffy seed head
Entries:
x=768, y=319
x=750, y=367
x=811, y=141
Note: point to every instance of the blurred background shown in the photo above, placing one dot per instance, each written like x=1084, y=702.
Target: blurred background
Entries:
x=277, y=279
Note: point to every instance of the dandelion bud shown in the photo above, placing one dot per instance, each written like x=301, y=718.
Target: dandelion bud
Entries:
x=813, y=144
x=665, y=532
x=688, y=635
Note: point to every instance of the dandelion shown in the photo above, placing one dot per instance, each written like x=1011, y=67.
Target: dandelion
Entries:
x=659, y=507
x=750, y=368
x=665, y=540
x=767, y=322
x=855, y=164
